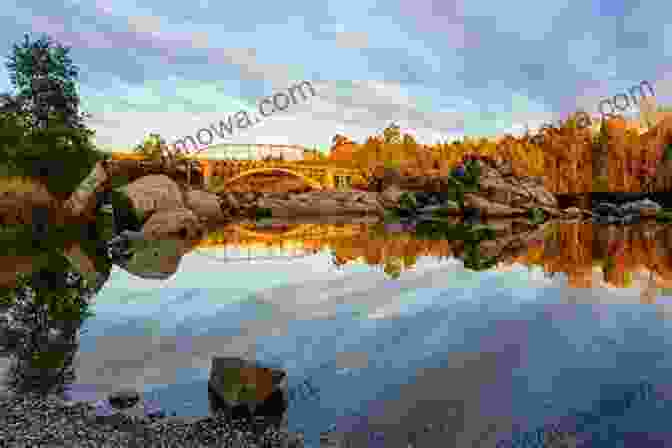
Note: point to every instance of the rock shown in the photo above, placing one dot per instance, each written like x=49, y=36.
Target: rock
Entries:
x=647, y=207
x=431, y=209
x=239, y=387
x=472, y=216
x=81, y=262
x=230, y=201
x=608, y=211
x=205, y=205
x=390, y=197
x=490, y=208
x=249, y=197
x=505, y=168
x=573, y=212
x=180, y=222
x=123, y=399
x=150, y=194
x=542, y=196
x=154, y=259
x=600, y=219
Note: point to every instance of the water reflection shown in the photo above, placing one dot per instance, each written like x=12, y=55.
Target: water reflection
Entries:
x=46, y=306
x=589, y=255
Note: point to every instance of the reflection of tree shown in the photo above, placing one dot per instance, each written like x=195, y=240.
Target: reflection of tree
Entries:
x=48, y=308
x=393, y=266
x=473, y=260
x=337, y=260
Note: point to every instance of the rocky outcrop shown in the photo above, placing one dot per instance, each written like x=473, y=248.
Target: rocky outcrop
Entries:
x=321, y=203
x=207, y=206
x=499, y=193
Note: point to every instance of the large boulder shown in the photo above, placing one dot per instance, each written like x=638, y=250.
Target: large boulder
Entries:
x=153, y=193
x=244, y=389
x=205, y=205
x=179, y=222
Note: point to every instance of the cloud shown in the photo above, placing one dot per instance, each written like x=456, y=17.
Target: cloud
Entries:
x=352, y=39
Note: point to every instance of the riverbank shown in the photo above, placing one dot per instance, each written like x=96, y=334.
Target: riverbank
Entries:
x=31, y=420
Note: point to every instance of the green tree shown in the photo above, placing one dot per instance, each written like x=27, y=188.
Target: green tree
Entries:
x=43, y=74
x=153, y=147
x=42, y=133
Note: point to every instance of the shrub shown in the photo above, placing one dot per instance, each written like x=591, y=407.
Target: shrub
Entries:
x=536, y=215
x=664, y=215
x=407, y=202
x=601, y=184
x=214, y=183
x=262, y=212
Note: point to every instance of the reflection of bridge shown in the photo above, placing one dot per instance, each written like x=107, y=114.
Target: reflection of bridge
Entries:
x=295, y=235
x=294, y=254
x=232, y=163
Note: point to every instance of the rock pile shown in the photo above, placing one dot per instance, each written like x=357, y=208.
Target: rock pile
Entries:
x=628, y=213
x=321, y=203
x=500, y=193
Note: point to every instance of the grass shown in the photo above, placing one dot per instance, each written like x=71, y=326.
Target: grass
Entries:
x=664, y=215
x=21, y=185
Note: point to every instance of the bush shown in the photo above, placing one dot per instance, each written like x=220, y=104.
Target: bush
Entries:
x=601, y=184
x=536, y=215
x=407, y=202
x=664, y=215
x=214, y=183
x=261, y=213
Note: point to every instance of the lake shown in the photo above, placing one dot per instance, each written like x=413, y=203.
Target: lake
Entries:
x=392, y=333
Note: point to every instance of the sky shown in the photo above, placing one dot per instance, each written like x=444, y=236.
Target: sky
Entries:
x=440, y=69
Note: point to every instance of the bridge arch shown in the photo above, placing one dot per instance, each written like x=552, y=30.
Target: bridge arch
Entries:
x=313, y=183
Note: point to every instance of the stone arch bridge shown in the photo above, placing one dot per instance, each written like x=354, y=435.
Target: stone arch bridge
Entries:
x=319, y=177
x=234, y=163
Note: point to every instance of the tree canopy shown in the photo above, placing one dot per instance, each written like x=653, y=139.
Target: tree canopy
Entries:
x=42, y=132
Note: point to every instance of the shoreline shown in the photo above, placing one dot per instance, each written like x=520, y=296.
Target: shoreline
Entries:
x=77, y=423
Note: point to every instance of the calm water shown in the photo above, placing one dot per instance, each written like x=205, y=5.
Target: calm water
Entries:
x=482, y=352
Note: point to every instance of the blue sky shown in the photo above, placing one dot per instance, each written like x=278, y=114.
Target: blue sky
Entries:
x=439, y=68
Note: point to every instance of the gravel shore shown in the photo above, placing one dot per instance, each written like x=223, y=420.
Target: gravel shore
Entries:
x=33, y=421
